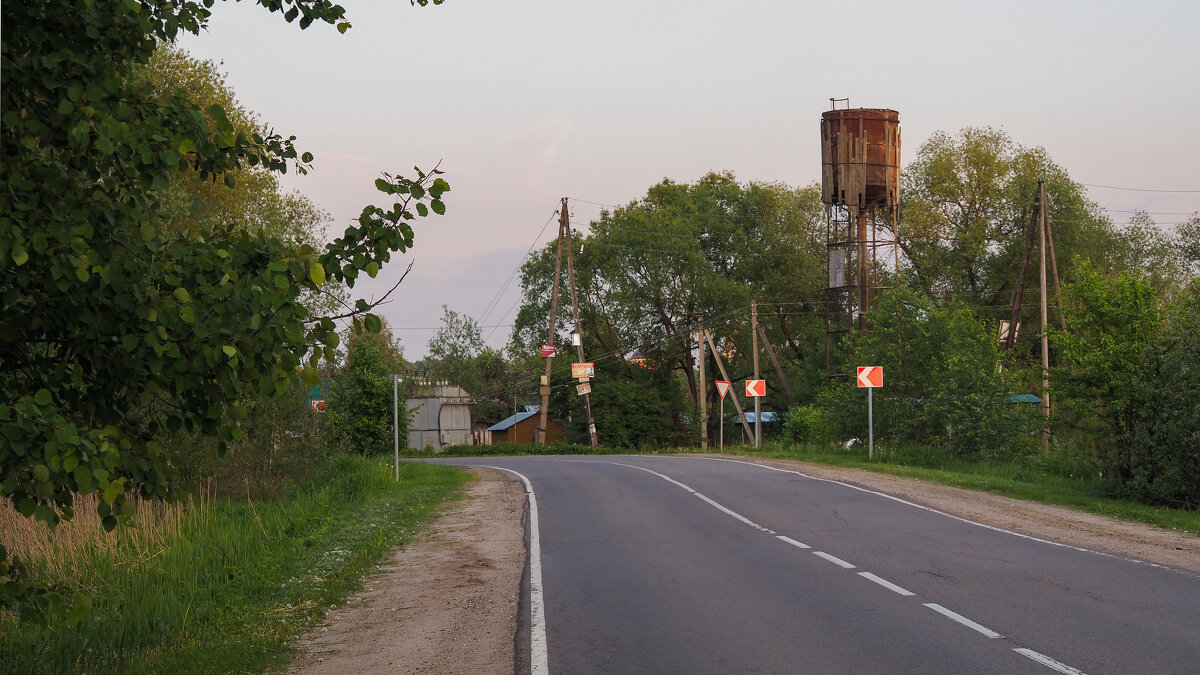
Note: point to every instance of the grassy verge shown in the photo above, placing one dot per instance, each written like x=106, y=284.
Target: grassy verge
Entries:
x=230, y=582
x=1043, y=479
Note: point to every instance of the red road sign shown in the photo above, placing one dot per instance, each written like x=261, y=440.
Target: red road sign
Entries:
x=548, y=350
x=722, y=387
x=870, y=376
x=756, y=387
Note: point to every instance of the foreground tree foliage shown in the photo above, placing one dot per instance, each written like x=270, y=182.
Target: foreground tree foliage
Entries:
x=118, y=326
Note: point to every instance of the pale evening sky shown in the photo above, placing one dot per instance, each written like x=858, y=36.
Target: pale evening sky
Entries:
x=524, y=102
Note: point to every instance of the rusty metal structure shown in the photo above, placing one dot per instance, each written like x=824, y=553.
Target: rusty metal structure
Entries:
x=860, y=188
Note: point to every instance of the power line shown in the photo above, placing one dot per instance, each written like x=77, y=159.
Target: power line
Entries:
x=496, y=298
x=1129, y=189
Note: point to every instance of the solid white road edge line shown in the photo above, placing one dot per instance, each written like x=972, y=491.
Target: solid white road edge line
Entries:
x=885, y=583
x=538, y=652
x=833, y=559
x=1049, y=662
x=963, y=620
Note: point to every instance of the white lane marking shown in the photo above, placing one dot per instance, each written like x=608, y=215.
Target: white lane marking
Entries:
x=791, y=541
x=885, y=583
x=1049, y=662
x=963, y=620
x=833, y=559
x=538, y=652
x=718, y=506
x=952, y=516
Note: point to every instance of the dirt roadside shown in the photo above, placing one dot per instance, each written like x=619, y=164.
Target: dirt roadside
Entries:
x=447, y=603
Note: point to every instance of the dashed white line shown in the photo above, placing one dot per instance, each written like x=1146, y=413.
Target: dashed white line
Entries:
x=833, y=559
x=1049, y=662
x=885, y=583
x=984, y=630
x=791, y=541
x=539, y=660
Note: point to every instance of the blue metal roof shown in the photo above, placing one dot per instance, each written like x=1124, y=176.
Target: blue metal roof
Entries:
x=512, y=421
x=768, y=417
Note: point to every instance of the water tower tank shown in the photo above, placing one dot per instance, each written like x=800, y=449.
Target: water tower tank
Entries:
x=860, y=157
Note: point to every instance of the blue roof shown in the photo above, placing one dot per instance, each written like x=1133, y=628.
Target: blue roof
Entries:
x=1024, y=398
x=768, y=417
x=511, y=421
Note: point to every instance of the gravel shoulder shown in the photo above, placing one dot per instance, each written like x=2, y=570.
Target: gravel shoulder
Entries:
x=448, y=602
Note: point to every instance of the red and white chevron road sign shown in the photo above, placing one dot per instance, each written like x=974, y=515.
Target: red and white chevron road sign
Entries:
x=870, y=376
x=756, y=387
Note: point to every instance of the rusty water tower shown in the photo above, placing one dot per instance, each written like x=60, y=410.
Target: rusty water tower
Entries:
x=860, y=187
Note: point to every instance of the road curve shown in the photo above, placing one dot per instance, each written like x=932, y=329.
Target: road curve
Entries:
x=687, y=564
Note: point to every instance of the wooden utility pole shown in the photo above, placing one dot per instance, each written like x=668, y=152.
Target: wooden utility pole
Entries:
x=757, y=399
x=1045, y=338
x=587, y=398
x=551, y=336
x=703, y=393
x=725, y=374
x=1034, y=218
x=787, y=387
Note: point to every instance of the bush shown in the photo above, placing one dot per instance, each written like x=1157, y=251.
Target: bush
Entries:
x=809, y=424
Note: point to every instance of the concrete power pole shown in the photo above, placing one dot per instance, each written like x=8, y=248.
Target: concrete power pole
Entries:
x=552, y=334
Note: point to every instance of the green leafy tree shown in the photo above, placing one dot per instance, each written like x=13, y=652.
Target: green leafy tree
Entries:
x=1115, y=325
x=454, y=349
x=967, y=203
x=1159, y=460
x=116, y=326
x=648, y=270
x=359, y=409
x=943, y=383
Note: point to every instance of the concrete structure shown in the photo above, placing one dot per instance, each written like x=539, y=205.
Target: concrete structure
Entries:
x=522, y=428
x=439, y=415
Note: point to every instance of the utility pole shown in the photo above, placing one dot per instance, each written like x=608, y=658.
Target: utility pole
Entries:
x=1045, y=338
x=565, y=221
x=757, y=399
x=703, y=393
x=725, y=374
x=551, y=335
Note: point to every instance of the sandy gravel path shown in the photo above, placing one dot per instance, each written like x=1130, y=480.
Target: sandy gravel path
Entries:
x=447, y=603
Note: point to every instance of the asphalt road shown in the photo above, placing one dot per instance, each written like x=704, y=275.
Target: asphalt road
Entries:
x=673, y=564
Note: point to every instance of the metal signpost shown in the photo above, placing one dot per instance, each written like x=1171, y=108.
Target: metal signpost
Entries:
x=722, y=389
x=757, y=389
x=396, y=421
x=870, y=377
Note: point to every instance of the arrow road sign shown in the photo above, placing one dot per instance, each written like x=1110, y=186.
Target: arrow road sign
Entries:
x=756, y=387
x=870, y=376
x=722, y=388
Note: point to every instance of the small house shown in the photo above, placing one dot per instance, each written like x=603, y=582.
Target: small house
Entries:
x=522, y=428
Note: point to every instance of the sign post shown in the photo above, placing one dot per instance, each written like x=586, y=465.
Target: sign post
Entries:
x=756, y=389
x=870, y=377
x=722, y=389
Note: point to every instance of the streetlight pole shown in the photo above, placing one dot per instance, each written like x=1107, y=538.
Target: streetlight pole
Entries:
x=396, y=421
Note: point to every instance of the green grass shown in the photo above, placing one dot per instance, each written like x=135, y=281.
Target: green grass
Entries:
x=238, y=580
x=1053, y=480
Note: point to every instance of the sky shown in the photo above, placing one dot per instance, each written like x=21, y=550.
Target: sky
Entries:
x=525, y=102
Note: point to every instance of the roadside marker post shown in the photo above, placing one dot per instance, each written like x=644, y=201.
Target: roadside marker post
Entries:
x=722, y=389
x=870, y=377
